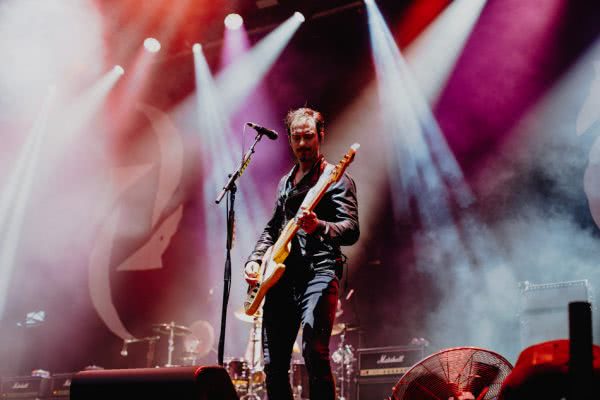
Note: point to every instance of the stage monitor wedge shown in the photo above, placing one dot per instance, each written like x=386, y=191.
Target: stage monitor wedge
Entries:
x=181, y=383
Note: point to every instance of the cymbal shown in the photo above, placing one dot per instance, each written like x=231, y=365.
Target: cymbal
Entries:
x=166, y=328
x=242, y=316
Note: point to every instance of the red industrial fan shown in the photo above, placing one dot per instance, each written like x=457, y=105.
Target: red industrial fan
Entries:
x=454, y=374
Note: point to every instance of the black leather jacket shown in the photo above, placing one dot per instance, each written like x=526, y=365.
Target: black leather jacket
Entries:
x=338, y=211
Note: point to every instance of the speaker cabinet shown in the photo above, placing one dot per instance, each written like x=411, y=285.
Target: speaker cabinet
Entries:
x=24, y=388
x=380, y=368
x=182, y=383
x=60, y=385
x=375, y=389
x=543, y=314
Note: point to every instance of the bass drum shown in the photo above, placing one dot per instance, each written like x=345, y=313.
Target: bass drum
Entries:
x=299, y=380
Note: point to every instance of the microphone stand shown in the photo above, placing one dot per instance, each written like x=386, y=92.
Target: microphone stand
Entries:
x=229, y=210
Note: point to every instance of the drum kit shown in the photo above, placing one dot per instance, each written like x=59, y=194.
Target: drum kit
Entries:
x=198, y=341
x=343, y=360
x=247, y=373
x=171, y=330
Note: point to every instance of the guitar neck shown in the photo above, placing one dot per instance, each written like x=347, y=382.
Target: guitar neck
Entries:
x=314, y=195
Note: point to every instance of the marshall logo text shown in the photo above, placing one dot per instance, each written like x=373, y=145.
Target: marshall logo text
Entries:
x=385, y=359
x=20, y=385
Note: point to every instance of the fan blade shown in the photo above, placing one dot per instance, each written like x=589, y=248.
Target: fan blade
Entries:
x=431, y=386
x=483, y=376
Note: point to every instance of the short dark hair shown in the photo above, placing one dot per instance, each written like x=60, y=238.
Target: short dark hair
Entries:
x=306, y=113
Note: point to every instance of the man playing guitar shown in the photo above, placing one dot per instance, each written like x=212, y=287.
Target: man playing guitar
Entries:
x=306, y=294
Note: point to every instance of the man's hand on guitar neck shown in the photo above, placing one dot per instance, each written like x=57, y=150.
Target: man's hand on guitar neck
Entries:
x=251, y=272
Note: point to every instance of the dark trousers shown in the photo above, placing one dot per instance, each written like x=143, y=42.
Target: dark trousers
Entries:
x=309, y=302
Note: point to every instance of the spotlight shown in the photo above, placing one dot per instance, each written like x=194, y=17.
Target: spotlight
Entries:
x=370, y=2
x=233, y=21
x=299, y=16
x=152, y=45
x=119, y=70
x=197, y=48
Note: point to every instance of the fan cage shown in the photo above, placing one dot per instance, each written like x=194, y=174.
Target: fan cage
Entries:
x=451, y=373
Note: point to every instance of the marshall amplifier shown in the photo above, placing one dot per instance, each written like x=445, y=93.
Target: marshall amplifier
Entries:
x=25, y=388
x=380, y=368
x=384, y=362
x=60, y=385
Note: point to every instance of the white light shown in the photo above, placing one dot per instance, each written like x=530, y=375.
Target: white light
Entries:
x=239, y=78
x=197, y=48
x=152, y=45
x=370, y=2
x=119, y=70
x=233, y=21
x=299, y=16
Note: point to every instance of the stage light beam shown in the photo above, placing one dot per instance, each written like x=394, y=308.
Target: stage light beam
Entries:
x=423, y=164
x=214, y=122
x=221, y=155
x=428, y=187
x=15, y=197
x=82, y=110
x=235, y=82
x=434, y=53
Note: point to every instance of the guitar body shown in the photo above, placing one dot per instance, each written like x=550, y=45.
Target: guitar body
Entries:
x=272, y=266
x=269, y=273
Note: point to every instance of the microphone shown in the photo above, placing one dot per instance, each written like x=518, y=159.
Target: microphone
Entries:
x=271, y=134
x=124, y=349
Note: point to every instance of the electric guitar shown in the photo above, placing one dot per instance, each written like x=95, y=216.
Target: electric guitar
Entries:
x=272, y=266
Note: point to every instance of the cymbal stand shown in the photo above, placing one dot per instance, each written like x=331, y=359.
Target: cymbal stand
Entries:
x=256, y=325
x=171, y=342
x=344, y=368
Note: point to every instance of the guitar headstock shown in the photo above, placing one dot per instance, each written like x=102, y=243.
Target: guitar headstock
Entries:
x=340, y=168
